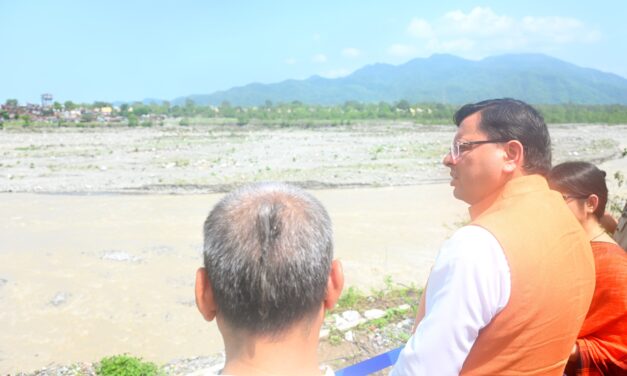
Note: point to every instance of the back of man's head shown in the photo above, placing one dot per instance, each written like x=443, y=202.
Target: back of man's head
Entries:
x=268, y=250
x=511, y=119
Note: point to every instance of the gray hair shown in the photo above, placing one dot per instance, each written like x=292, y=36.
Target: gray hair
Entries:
x=268, y=249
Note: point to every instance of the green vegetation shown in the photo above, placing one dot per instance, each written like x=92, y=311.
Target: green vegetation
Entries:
x=304, y=115
x=26, y=121
x=391, y=315
x=132, y=120
x=351, y=298
x=335, y=336
x=181, y=162
x=391, y=296
x=573, y=113
x=126, y=365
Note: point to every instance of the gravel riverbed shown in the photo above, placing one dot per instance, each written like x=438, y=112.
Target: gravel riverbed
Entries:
x=202, y=159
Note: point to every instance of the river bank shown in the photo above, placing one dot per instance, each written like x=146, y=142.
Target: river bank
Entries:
x=104, y=225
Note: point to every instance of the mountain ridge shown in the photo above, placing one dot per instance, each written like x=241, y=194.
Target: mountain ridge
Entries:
x=444, y=78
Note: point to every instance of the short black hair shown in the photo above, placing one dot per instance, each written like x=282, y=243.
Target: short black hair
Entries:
x=511, y=119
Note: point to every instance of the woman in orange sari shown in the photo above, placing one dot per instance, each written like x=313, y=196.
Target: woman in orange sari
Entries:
x=601, y=347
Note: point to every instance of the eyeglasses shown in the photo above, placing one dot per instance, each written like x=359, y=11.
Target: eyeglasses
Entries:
x=457, y=148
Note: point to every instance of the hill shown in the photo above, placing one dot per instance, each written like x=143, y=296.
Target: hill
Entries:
x=534, y=78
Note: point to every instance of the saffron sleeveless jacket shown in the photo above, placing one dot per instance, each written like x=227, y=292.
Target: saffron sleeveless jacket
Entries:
x=552, y=281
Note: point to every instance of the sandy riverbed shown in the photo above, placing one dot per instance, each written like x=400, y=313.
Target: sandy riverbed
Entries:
x=88, y=275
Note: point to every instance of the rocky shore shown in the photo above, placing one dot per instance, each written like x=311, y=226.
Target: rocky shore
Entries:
x=201, y=159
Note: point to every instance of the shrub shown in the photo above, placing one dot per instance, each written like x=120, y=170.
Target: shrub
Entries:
x=132, y=121
x=242, y=120
x=126, y=365
x=26, y=121
x=350, y=298
x=87, y=117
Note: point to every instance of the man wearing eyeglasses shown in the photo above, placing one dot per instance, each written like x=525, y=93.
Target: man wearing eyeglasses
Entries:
x=509, y=292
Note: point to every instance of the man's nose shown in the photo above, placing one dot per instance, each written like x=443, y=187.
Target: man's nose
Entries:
x=448, y=160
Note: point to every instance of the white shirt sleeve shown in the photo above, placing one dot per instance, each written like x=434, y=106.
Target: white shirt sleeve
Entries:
x=469, y=284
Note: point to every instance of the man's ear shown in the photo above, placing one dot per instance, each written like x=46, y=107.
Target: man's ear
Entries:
x=335, y=284
x=514, y=155
x=204, y=295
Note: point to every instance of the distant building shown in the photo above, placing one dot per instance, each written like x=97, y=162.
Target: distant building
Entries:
x=46, y=100
x=104, y=110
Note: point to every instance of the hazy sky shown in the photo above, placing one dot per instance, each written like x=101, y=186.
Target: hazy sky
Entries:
x=131, y=50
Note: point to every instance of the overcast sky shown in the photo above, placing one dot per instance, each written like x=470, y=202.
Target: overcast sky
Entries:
x=131, y=50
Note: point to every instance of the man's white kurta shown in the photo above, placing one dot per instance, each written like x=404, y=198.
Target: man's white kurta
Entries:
x=469, y=284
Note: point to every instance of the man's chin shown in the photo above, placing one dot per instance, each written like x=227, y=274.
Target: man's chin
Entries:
x=458, y=194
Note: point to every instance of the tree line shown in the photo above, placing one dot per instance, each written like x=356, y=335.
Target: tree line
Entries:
x=296, y=112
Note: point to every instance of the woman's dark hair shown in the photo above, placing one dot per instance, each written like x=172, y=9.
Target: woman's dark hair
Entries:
x=580, y=179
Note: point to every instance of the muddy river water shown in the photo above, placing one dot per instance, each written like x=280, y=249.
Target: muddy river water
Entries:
x=85, y=276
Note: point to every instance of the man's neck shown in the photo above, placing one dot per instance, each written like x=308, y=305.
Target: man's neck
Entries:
x=513, y=183
x=294, y=353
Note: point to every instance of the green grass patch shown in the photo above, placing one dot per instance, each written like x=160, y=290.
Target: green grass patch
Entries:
x=351, y=298
x=391, y=296
x=126, y=365
x=335, y=337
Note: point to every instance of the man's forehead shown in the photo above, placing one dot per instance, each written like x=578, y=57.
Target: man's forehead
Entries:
x=469, y=126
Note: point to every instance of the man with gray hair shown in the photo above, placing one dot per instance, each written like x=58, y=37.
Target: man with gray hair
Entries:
x=268, y=277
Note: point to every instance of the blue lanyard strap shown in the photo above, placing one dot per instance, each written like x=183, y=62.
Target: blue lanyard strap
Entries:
x=374, y=364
